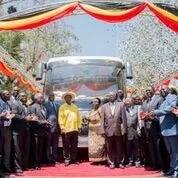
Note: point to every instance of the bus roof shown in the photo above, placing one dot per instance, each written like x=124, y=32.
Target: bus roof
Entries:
x=70, y=58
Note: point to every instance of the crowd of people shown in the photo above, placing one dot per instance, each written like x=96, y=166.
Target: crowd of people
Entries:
x=123, y=132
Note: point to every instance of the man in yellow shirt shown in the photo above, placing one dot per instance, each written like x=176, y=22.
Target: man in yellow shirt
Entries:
x=70, y=123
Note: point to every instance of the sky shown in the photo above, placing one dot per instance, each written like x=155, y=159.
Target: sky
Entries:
x=96, y=38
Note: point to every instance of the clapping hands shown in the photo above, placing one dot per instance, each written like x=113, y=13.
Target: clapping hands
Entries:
x=7, y=114
x=3, y=114
x=146, y=115
x=31, y=117
x=175, y=111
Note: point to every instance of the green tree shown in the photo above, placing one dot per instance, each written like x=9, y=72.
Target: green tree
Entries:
x=56, y=39
x=11, y=42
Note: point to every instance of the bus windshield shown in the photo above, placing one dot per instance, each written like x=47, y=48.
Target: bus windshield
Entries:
x=86, y=80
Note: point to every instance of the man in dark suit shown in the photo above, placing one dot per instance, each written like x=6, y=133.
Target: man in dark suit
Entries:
x=2, y=115
x=114, y=116
x=1, y=141
x=39, y=127
x=152, y=129
x=21, y=134
x=52, y=112
x=120, y=95
x=7, y=132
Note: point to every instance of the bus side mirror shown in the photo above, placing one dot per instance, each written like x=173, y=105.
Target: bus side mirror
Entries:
x=129, y=71
x=40, y=68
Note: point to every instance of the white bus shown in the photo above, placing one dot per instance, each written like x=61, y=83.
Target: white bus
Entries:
x=87, y=76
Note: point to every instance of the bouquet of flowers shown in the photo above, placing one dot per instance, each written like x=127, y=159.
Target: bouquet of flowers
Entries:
x=145, y=116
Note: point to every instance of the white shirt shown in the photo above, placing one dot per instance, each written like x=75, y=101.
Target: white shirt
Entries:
x=112, y=106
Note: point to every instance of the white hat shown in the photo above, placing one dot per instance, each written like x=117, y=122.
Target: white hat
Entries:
x=72, y=94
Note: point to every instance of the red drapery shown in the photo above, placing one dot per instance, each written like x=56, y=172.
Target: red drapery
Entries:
x=21, y=80
x=109, y=15
x=112, y=16
x=38, y=20
x=165, y=17
x=5, y=70
x=27, y=84
x=32, y=88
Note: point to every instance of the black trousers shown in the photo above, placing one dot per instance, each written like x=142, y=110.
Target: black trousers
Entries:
x=133, y=151
x=171, y=143
x=7, y=147
x=165, y=157
x=21, y=149
x=70, y=144
x=153, y=143
x=152, y=150
x=53, y=139
x=115, y=151
x=38, y=149
x=1, y=144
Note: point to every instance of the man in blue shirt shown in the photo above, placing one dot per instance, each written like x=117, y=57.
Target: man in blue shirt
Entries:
x=169, y=129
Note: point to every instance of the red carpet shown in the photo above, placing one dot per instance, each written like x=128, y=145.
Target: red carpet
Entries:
x=86, y=169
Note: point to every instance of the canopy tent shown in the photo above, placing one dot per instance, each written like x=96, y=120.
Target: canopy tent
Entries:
x=9, y=72
x=108, y=12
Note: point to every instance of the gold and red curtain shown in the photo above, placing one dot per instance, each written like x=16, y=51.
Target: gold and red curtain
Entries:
x=27, y=84
x=108, y=12
x=6, y=70
x=112, y=15
x=12, y=73
x=168, y=18
x=21, y=80
x=37, y=20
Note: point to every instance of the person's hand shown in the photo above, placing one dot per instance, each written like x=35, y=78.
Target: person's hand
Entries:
x=10, y=116
x=139, y=132
x=34, y=117
x=28, y=117
x=47, y=123
x=143, y=115
x=151, y=115
x=123, y=130
x=3, y=114
x=63, y=131
x=175, y=111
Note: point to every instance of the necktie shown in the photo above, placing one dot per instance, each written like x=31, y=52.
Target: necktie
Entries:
x=43, y=111
x=54, y=107
x=7, y=108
